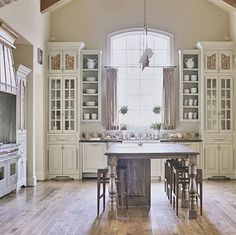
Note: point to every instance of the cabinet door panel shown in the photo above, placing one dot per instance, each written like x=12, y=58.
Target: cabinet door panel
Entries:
x=69, y=62
x=211, y=159
x=93, y=157
x=211, y=61
x=226, y=160
x=69, y=159
x=55, y=159
x=226, y=61
x=55, y=62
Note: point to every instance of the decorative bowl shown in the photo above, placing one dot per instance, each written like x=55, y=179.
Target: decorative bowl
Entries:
x=90, y=91
x=90, y=79
x=90, y=103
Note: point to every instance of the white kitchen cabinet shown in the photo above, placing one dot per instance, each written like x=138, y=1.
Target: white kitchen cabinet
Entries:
x=217, y=109
x=93, y=156
x=91, y=85
x=219, y=160
x=189, y=85
x=62, y=160
x=218, y=61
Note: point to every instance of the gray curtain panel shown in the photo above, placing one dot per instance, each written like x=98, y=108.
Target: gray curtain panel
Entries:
x=111, y=99
x=168, y=99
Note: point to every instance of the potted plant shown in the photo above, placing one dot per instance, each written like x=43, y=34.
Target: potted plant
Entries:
x=123, y=110
x=156, y=125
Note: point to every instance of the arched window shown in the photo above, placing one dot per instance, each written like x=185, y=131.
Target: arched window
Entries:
x=137, y=89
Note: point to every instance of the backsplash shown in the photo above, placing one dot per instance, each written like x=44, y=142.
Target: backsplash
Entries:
x=139, y=134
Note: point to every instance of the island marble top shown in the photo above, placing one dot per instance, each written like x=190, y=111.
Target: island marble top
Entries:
x=147, y=149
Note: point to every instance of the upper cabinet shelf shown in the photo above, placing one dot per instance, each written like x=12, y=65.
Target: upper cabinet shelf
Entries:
x=189, y=74
x=91, y=85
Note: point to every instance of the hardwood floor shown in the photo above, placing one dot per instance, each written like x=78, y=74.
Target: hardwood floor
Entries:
x=69, y=207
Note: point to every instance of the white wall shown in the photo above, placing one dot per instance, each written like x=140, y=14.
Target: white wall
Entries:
x=90, y=21
x=25, y=18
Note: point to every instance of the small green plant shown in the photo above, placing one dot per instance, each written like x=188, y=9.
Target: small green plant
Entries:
x=156, y=125
x=123, y=110
x=156, y=109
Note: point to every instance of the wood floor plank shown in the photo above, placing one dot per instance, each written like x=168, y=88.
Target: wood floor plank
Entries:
x=69, y=207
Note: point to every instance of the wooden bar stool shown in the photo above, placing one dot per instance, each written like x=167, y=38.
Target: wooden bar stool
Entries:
x=102, y=178
x=180, y=177
x=199, y=188
x=169, y=175
x=121, y=184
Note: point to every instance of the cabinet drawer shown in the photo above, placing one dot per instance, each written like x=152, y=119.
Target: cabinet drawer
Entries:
x=217, y=139
x=62, y=138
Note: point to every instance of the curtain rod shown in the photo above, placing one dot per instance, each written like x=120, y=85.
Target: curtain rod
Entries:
x=136, y=66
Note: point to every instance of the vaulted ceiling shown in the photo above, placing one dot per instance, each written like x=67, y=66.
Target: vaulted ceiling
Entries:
x=232, y=3
x=49, y=5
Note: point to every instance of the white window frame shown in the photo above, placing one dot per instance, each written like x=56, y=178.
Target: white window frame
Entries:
x=131, y=30
x=110, y=35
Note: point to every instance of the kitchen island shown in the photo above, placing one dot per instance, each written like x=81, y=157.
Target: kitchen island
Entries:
x=137, y=159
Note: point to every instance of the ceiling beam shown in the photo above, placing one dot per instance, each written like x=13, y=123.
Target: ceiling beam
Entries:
x=49, y=5
x=231, y=3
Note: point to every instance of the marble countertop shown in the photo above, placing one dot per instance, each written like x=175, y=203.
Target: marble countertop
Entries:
x=148, y=149
x=181, y=140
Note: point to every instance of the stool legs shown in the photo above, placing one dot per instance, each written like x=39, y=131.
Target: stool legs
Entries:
x=101, y=180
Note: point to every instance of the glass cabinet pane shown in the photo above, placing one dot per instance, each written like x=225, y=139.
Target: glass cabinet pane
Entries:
x=211, y=104
x=225, y=104
x=69, y=104
x=55, y=104
x=12, y=169
x=2, y=173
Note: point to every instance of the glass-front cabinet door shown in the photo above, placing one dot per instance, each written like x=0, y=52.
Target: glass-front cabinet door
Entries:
x=225, y=103
x=219, y=104
x=55, y=104
x=69, y=122
x=211, y=83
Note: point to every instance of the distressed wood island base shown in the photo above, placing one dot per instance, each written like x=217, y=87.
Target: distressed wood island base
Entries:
x=137, y=160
